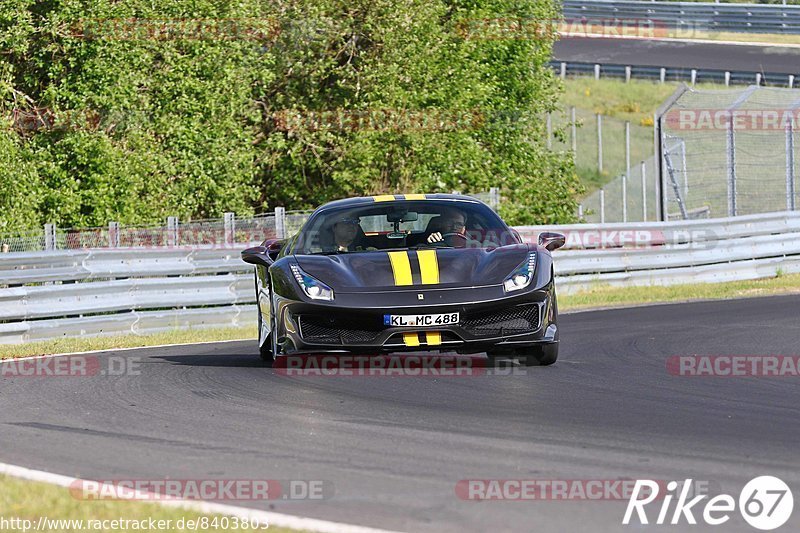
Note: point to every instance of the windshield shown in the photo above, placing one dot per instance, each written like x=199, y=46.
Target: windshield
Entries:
x=402, y=225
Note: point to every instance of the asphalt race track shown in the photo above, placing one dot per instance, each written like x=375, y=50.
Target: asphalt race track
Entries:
x=643, y=52
x=394, y=448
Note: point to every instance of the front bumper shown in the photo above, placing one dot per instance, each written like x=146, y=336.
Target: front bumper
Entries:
x=495, y=322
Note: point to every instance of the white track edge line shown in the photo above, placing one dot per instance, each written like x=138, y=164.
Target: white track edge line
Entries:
x=271, y=518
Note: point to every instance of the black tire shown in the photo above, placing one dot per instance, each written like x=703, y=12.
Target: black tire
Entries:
x=539, y=355
x=542, y=355
x=265, y=351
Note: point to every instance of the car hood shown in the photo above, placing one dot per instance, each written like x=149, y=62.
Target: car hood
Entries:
x=455, y=267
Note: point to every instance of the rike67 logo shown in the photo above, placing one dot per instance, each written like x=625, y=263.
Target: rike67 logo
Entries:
x=765, y=503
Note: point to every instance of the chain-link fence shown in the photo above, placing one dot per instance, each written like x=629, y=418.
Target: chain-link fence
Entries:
x=229, y=231
x=630, y=197
x=730, y=152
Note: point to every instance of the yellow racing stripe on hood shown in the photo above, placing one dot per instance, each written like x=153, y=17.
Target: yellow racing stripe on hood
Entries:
x=428, y=267
x=401, y=268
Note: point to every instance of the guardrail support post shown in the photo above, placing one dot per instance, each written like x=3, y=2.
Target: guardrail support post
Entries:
x=563, y=70
x=599, y=142
x=280, y=223
x=113, y=234
x=229, y=225
x=596, y=71
x=727, y=78
x=789, y=166
x=580, y=212
x=49, y=237
x=758, y=79
x=662, y=76
x=694, y=75
x=627, y=74
x=791, y=81
x=172, y=231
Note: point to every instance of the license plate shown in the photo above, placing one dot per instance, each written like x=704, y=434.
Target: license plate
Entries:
x=441, y=319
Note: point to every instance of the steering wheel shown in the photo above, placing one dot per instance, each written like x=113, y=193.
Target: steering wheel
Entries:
x=454, y=240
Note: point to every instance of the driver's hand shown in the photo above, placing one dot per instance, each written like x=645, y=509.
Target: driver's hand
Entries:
x=435, y=237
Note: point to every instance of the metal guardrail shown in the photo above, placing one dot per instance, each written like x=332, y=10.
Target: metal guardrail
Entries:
x=709, y=16
x=669, y=74
x=47, y=295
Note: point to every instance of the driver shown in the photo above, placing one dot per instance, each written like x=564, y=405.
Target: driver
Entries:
x=450, y=221
x=346, y=233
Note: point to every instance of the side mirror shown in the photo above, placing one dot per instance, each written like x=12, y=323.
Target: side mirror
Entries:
x=274, y=247
x=257, y=255
x=551, y=241
x=516, y=235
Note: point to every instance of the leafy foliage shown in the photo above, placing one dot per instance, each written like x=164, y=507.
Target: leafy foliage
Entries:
x=129, y=116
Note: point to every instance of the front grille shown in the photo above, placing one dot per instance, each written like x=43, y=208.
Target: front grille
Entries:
x=511, y=321
x=334, y=331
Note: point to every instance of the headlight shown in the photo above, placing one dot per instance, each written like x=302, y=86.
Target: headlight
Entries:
x=314, y=288
x=522, y=276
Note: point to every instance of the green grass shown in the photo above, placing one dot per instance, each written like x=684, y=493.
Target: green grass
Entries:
x=29, y=500
x=85, y=344
x=602, y=296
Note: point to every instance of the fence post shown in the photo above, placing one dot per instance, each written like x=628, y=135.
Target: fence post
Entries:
x=113, y=234
x=549, y=131
x=172, y=231
x=574, y=129
x=731, y=152
x=280, y=223
x=627, y=147
x=49, y=237
x=580, y=211
x=229, y=224
x=602, y=205
x=599, y=142
x=624, y=198
x=494, y=198
x=644, y=191
x=789, y=166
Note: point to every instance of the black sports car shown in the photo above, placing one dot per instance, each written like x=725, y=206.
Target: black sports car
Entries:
x=407, y=272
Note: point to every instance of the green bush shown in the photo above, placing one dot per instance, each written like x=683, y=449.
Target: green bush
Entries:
x=136, y=128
